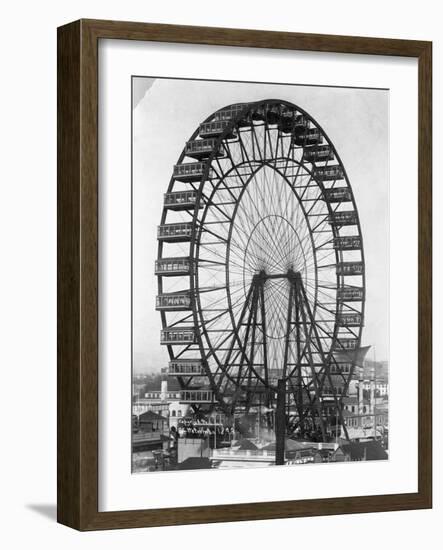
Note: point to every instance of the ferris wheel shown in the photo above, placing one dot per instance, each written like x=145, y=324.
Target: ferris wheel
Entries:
x=261, y=279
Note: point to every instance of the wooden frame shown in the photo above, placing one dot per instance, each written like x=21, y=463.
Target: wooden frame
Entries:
x=78, y=286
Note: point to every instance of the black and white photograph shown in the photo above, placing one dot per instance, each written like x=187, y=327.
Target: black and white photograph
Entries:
x=218, y=293
x=260, y=274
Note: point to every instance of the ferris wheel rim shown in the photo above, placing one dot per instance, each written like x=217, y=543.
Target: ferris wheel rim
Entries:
x=248, y=107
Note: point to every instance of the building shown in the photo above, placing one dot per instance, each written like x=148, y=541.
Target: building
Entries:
x=177, y=411
x=162, y=401
x=151, y=421
x=381, y=387
x=372, y=424
x=362, y=450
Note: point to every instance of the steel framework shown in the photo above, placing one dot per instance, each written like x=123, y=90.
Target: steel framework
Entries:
x=261, y=281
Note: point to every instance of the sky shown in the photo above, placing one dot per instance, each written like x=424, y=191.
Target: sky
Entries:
x=165, y=114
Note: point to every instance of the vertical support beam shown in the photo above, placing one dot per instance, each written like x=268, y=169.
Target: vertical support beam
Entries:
x=288, y=330
x=303, y=303
x=251, y=315
x=337, y=403
x=236, y=337
x=299, y=374
x=265, y=345
x=280, y=423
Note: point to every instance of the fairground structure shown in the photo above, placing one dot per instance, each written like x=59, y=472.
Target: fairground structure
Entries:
x=261, y=273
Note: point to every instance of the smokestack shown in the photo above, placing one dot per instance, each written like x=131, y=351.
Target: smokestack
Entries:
x=164, y=390
x=360, y=396
x=372, y=396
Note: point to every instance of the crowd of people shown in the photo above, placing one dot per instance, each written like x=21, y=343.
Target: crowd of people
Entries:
x=190, y=428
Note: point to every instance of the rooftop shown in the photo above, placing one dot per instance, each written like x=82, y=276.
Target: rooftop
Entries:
x=365, y=450
x=150, y=415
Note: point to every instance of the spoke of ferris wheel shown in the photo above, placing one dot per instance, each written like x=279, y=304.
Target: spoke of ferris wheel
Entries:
x=276, y=318
x=219, y=331
x=252, y=202
x=214, y=348
x=220, y=198
x=246, y=232
x=272, y=238
x=272, y=196
x=322, y=320
x=255, y=142
x=313, y=292
x=324, y=215
x=291, y=248
x=255, y=245
x=213, y=233
x=313, y=288
x=279, y=144
x=289, y=203
x=287, y=155
x=276, y=200
x=322, y=259
x=324, y=323
x=223, y=182
x=293, y=212
x=319, y=214
x=267, y=250
x=304, y=241
x=223, y=256
x=306, y=186
x=214, y=263
x=315, y=203
x=313, y=199
x=249, y=220
x=213, y=208
x=234, y=166
x=305, y=236
x=261, y=251
x=245, y=153
x=301, y=222
x=203, y=230
x=314, y=325
x=322, y=245
x=280, y=295
x=211, y=203
x=281, y=301
x=234, y=300
x=269, y=142
x=222, y=298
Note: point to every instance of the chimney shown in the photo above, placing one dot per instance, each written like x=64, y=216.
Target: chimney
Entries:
x=360, y=396
x=372, y=396
x=164, y=390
